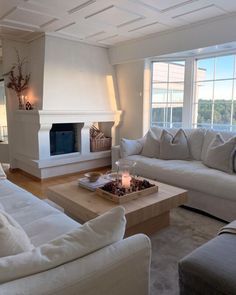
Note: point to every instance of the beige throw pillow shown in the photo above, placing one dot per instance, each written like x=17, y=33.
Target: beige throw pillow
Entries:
x=129, y=147
x=13, y=239
x=151, y=147
x=220, y=154
x=95, y=234
x=174, y=147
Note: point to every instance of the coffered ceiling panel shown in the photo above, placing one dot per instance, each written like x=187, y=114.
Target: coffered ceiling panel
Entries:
x=166, y=5
x=83, y=30
x=113, y=15
x=59, y=5
x=200, y=13
x=25, y=16
x=104, y=22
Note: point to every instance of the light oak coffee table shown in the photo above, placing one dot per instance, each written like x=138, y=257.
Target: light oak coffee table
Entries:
x=146, y=214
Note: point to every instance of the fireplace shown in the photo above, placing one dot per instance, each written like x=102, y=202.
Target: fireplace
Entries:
x=62, y=139
x=52, y=143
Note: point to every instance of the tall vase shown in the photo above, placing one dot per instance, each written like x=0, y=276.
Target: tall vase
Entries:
x=20, y=104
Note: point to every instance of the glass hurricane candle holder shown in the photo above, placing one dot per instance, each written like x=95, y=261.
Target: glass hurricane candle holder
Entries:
x=125, y=171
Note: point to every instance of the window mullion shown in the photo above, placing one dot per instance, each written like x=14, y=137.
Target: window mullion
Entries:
x=213, y=94
x=188, y=93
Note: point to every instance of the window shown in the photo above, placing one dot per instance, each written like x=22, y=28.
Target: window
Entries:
x=195, y=93
x=215, y=97
x=167, y=94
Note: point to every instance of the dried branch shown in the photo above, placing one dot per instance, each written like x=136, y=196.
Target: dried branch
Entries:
x=17, y=80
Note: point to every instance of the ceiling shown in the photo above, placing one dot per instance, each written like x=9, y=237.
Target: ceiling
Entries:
x=104, y=22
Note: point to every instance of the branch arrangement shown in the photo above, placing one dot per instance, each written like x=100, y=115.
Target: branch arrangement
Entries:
x=17, y=80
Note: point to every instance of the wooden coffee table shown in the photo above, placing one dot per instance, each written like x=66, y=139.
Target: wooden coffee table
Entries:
x=144, y=215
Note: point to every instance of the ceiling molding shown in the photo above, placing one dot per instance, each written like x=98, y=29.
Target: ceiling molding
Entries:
x=128, y=20
x=81, y=6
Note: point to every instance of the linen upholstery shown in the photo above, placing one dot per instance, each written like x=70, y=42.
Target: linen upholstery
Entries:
x=2, y=173
x=191, y=175
x=228, y=228
x=125, y=264
x=174, y=147
x=34, y=215
x=121, y=268
x=210, y=269
x=130, y=147
x=209, y=136
x=13, y=239
x=195, y=141
x=93, y=235
x=151, y=147
x=220, y=154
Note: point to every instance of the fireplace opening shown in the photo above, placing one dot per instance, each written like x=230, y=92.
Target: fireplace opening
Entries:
x=63, y=139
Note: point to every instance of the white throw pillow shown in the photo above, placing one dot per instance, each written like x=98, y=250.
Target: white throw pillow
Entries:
x=174, y=147
x=13, y=239
x=93, y=235
x=220, y=154
x=195, y=140
x=2, y=173
x=129, y=147
x=151, y=147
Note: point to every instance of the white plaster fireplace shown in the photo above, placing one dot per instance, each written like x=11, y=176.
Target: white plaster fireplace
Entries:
x=31, y=152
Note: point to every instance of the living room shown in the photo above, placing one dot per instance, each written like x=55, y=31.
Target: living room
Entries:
x=117, y=147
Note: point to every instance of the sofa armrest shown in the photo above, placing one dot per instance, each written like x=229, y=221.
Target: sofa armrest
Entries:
x=115, y=156
x=121, y=268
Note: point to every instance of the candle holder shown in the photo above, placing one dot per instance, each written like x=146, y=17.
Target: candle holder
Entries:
x=125, y=173
x=126, y=186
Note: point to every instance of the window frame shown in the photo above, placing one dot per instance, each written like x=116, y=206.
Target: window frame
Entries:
x=167, y=82
x=189, y=105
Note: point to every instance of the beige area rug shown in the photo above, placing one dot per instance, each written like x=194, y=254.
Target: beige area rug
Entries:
x=187, y=231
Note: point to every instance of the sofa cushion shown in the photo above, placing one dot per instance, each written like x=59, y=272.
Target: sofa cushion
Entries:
x=151, y=147
x=93, y=235
x=211, y=268
x=195, y=140
x=220, y=154
x=2, y=173
x=33, y=214
x=174, y=147
x=130, y=147
x=191, y=175
x=209, y=136
x=13, y=239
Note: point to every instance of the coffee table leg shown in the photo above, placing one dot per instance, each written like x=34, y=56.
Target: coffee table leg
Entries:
x=150, y=226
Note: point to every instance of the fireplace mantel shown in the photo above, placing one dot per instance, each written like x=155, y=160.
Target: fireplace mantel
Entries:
x=48, y=116
x=32, y=154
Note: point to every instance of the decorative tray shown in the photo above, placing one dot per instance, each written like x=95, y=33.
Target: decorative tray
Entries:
x=114, y=191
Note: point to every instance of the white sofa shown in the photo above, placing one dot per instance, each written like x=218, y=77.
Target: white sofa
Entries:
x=120, y=268
x=210, y=190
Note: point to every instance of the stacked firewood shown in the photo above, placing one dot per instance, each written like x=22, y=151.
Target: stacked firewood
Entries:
x=95, y=133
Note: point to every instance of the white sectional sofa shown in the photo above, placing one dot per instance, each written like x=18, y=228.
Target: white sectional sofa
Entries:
x=119, y=268
x=210, y=190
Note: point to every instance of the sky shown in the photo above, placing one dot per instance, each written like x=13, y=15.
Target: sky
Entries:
x=223, y=68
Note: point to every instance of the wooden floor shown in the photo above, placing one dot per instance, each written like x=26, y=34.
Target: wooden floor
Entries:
x=38, y=187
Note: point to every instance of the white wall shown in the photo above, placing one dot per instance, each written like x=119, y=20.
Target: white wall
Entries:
x=77, y=77
x=15, y=137
x=130, y=86
x=218, y=31
x=1, y=70
x=36, y=69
